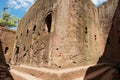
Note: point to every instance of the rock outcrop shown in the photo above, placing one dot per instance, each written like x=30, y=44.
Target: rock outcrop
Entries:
x=108, y=66
x=111, y=51
x=106, y=13
x=62, y=34
x=4, y=72
x=7, y=40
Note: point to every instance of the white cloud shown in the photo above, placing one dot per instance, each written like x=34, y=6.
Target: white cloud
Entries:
x=23, y=4
x=98, y=2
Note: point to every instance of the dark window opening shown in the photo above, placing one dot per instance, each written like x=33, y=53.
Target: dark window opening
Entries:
x=59, y=66
x=34, y=28
x=43, y=29
x=6, y=49
x=86, y=30
x=27, y=31
x=38, y=33
x=17, y=52
x=16, y=37
x=24, y=55
x=48, y=22
x=57, y=48
x=95, y=37
x=74, y=62
x=21, y=34
x=17, y=49
x=75, y=0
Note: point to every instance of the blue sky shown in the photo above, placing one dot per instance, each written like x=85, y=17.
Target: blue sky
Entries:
x=98, y=2
x=20, y=7
x=17, y=8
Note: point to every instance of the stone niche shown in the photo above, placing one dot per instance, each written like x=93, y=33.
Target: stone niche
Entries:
x=63, y=33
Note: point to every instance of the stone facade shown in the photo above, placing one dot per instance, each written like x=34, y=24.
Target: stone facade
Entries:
x=7, y=39
x=63, y=33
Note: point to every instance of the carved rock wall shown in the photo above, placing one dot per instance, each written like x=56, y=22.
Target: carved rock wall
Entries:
x=63, y=33
x=106, y=13
x=7, y=39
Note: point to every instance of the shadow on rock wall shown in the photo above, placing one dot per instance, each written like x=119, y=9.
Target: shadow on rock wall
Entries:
x=4, y=68
x=108, y=66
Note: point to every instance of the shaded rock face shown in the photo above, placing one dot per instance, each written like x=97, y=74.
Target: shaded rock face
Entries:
x=108, y=66
x=7, y=39
x=112, y=48
x=63, y=33
x=4, y=73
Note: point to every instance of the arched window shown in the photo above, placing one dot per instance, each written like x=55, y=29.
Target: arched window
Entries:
x=34, y=28
x=48, y=21
x=6, y=49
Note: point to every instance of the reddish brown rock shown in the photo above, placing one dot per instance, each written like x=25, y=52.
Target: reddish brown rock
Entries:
x=62, y=34
x=4, y=72
x=108, y=66
x=7, y=40
x=112, y=48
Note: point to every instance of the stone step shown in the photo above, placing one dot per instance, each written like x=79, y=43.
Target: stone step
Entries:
x=52, y=74
x=42, y=73
x=17, y=75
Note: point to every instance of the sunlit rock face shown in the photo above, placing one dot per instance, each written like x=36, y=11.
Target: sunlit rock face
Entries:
x=106, y=13
x=63, y=33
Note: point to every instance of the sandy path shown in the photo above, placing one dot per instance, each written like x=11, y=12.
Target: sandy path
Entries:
x=24, y=75
x=56, y=71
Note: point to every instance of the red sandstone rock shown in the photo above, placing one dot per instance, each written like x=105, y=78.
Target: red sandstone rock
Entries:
x=64, y=34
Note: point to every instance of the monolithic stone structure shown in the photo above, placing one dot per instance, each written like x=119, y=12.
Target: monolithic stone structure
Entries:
x=112, y=48
x=59, y=39
x=63, y=34
x=7, y=39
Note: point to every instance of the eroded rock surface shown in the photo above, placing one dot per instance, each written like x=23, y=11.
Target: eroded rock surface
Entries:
x=7, y=40
x=63, y=33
